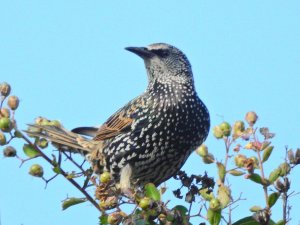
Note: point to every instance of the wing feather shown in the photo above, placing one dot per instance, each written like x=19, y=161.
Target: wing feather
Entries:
x=121, y=121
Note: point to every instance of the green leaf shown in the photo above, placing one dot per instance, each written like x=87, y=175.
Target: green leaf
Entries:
x=207, y=196
x=246, y=221
x=224, y=196
x=72, y=201
x=214, y=217
x=183, y=210
x=152, y=192
x=183, y=214
x=285, y=169
x=255, y=208
x=265, y=144
x=280, y=222
x=267, y=153
x=137, y=212
x=56, y=170
x=256, y=178
x=274, y=175
x=236, y=172
x=140, y=222
x=221, y=171
x=250, y=221
x=18, y=134
x=103, y=219
x=273, y=198
x=30, y=151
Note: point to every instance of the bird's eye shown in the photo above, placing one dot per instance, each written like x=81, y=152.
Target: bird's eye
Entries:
x=160, y=52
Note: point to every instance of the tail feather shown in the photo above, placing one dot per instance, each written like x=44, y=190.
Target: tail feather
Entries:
x=88, y=131
x=62, y=138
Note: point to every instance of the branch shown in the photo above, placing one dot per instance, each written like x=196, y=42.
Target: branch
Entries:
x=72, y=181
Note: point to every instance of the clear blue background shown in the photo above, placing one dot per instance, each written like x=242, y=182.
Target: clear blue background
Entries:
x=66, y=61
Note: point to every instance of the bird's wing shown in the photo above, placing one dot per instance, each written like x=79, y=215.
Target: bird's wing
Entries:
x=113, y=126
x=120, y=121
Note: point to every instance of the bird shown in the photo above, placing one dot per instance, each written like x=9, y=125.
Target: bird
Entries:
x=150, y=138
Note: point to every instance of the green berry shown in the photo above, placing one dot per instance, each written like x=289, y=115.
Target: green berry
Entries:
x=238, y=128
x=42, y=121
x=218, y=133
x=36, y=170
x=5, y=124
x=145, y=203
x=114, y=218
x=202, y=150
x=38, y=120
x=105, y=177
x=42, y=143
x=226, y=129
x=214, y=204
x=55, y=123
x=45, y=122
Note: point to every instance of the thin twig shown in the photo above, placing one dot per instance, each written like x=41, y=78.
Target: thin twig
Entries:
x=72, y=181
x=261, y=167
x=74, y=162
x=47, y=181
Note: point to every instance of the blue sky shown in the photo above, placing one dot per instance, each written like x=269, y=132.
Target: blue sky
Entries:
x=66, y=61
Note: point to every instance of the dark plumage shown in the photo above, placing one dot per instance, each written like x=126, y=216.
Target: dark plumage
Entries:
x=150, y=138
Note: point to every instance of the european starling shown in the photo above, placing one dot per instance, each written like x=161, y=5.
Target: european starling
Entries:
x=151, y=137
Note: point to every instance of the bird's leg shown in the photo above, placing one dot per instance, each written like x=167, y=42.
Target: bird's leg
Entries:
x=96, y=157
x=125, y=181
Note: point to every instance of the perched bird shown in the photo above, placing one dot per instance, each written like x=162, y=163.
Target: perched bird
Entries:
x=151, y=137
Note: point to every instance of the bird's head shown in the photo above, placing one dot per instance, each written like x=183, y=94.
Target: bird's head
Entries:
x=164, y=63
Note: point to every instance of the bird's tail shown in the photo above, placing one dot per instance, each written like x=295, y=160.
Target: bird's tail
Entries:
x=61, y=138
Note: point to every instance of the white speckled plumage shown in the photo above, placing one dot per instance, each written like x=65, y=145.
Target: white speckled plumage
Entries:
x=150, y=138
x=169, y=120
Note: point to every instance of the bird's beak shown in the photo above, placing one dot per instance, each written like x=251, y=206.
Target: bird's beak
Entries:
x=141, y=51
